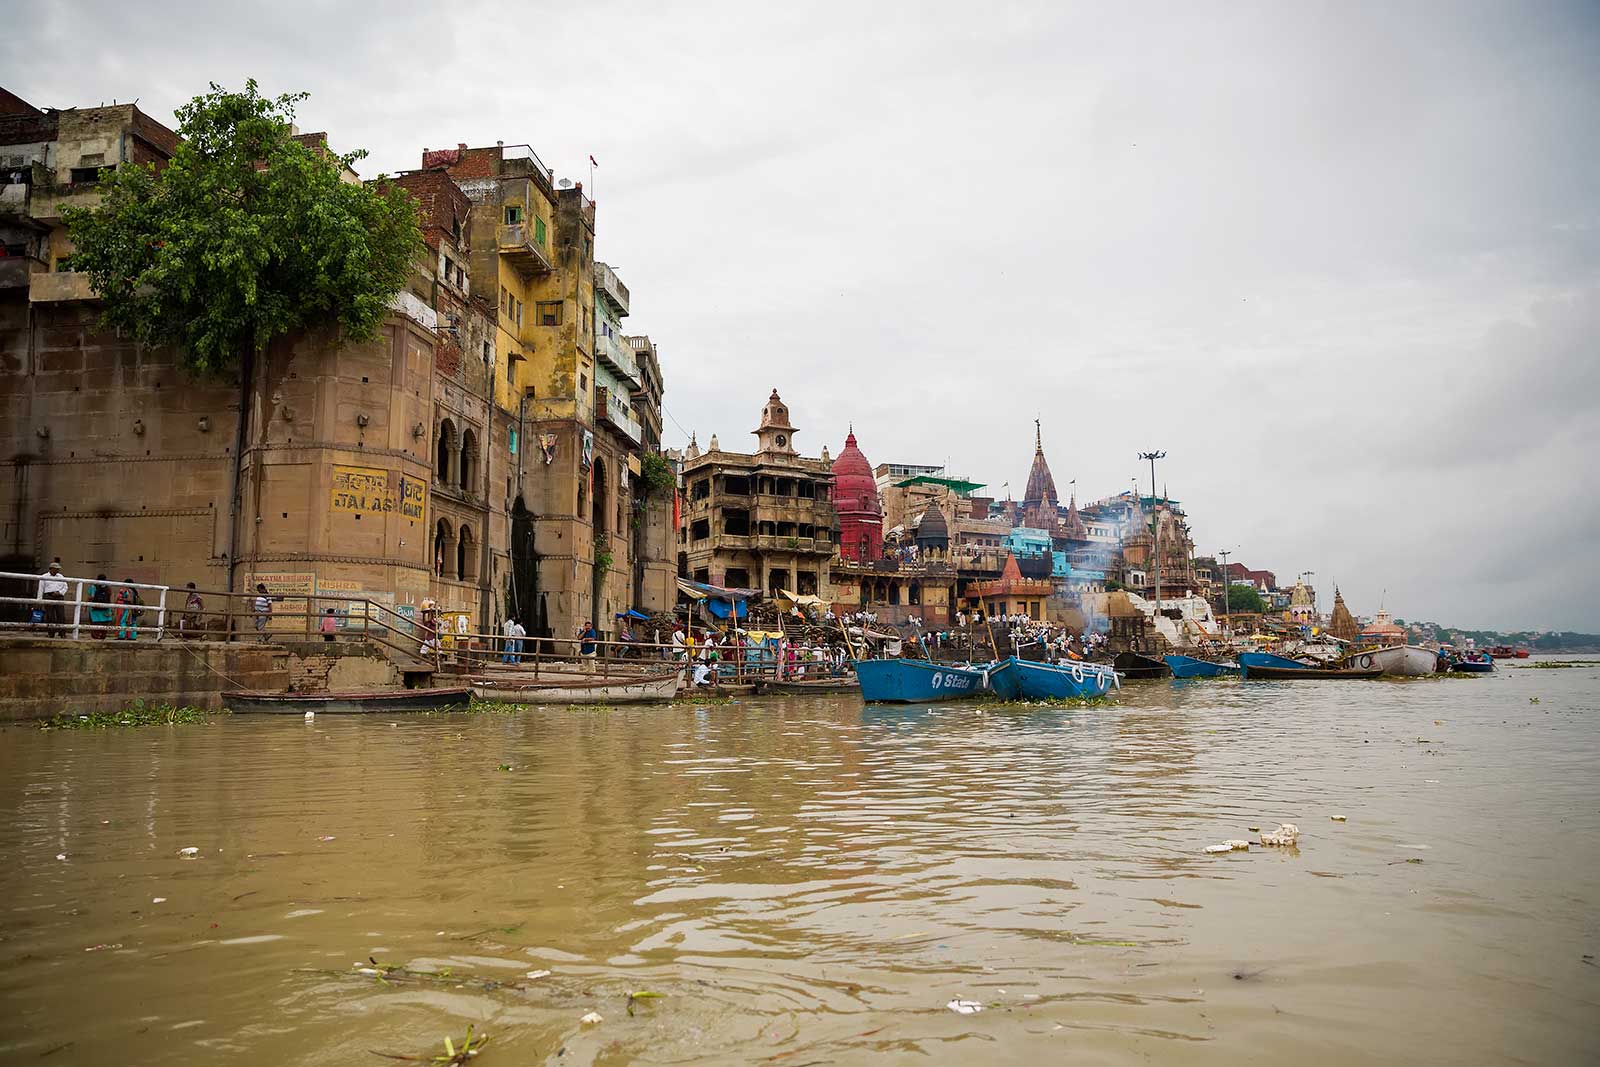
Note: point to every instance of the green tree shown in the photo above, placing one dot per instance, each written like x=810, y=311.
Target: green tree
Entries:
x=1245, y=598
x=245, y=235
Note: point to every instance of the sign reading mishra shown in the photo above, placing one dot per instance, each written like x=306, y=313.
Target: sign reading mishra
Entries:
x=369, y=489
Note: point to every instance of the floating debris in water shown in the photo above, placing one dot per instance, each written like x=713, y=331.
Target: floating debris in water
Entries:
x=1219, y=849
x=189, y=852
x=538, y=974
x=1337, y=818
x=965, y=1007
x=1238, y=845
x=1287, y=834
x=592, y=1018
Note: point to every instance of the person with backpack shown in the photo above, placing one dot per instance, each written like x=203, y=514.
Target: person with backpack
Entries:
x=99, y=608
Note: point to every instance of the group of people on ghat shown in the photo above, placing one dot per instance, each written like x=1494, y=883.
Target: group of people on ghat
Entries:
x=117, y=609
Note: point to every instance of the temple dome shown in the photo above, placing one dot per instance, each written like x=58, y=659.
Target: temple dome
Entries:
x=855, y=497
x=933, y=531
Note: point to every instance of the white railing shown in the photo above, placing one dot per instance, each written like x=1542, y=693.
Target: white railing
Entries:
x=77, y=588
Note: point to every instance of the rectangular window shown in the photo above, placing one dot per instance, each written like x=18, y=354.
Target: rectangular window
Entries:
x=538, y=229
x=519, y=312
x=513, y=448
x=505, y=300
x=511, y=371
x=550, y=312
x=84, y=175
x=513, y=214
x=583, y=385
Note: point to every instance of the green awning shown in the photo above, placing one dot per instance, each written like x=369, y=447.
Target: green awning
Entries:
x=957, y=484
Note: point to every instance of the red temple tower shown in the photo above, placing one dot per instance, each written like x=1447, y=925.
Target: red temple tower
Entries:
x=855, y=497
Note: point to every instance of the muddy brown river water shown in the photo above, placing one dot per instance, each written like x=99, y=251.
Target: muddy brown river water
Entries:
x=808, y=881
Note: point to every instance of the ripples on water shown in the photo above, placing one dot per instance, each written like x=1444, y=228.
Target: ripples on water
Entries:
x=808, y=881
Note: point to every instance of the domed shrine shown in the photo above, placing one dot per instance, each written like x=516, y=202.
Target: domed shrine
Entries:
x=855, y=497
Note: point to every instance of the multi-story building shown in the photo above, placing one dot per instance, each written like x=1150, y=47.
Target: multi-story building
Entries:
x=125, y=463
x=577, y=446
x=763, y=520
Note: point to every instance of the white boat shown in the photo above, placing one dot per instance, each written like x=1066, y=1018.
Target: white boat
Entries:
x=657, y=687
x=1405, y=661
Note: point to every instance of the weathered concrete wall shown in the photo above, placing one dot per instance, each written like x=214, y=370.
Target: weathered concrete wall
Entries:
x=42, y=677
x=316, y=666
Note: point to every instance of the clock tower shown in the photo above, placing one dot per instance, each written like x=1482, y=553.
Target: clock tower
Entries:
x=775, y=435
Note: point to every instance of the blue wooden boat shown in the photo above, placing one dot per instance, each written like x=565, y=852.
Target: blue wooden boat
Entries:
x=1267, y=659
x=1005, y=680
x=1062, y=681
x=1189, y=667
x=1473, y=666
x=916, y=681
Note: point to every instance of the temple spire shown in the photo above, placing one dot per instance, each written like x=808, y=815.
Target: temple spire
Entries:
x=1038, y=439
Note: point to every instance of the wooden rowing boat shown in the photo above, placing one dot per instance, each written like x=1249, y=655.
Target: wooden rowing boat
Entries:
x=812, y=685
x=1300, y=674
x=345, y=702
x=651, y=688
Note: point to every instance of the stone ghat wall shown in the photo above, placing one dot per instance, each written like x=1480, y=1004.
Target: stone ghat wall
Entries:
x=43, y=677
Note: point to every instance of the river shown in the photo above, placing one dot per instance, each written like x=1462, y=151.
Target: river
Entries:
x=806, y=881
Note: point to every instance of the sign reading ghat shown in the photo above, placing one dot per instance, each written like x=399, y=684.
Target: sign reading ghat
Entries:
x=375, y=491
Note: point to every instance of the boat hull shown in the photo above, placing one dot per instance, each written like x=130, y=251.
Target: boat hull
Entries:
x=1472, y=667
x=821, y=685
x=1134, y=666
x=363, y=702
x=658, y=688
x=1062, y=681
x=915, y=681
x=1189, y=667
x=1401, y=661
x=1305, y=674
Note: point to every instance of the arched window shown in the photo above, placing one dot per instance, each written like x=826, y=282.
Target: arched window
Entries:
x=444, y=467
x=444, y=549
x=466, y=556
x=599, y=513
x=469, y=459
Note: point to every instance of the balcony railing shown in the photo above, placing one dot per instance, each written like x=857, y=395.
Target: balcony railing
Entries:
x=615, y=410
x=527, y=256
x=610, y=286
x=59, y=286
x=619, y=359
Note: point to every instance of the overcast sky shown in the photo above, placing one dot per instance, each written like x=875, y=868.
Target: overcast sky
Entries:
x=1341, y=261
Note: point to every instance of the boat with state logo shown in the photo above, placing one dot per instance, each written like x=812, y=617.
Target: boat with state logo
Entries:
x=917, y=681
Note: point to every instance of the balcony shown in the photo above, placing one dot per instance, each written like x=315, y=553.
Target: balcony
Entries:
x=615, y=410
x=608, y=285
x=59, y=287
x=610, y=351
x=526, y=256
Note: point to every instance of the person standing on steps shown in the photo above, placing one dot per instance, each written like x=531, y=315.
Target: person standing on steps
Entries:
x=587, y=639
x=53, y=590
x=261, y=608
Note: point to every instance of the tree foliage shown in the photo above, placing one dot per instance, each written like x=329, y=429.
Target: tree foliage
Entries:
x=246, y=234
x=1245, y=598
x=656, y=476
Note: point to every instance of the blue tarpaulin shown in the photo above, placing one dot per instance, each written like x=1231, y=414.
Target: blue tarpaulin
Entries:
x=719, y=608
x=632, y=613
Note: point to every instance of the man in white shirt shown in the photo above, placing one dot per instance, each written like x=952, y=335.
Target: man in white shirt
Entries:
x=53, y=588
x=510, y=646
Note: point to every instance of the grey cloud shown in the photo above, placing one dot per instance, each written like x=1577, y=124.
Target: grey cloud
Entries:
x=1341, y=261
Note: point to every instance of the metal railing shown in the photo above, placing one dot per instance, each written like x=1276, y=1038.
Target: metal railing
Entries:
x=72, y=615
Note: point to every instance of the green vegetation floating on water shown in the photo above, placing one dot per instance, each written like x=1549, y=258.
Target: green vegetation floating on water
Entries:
x=453, y=1056
x=1557, y=665
x=136, y=714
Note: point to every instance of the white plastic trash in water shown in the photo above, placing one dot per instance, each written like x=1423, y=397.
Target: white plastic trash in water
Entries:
x=965, y=1007
x=1286, y=834
x=190, y=851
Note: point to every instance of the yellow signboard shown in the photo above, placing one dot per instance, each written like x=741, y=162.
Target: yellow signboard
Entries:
x=289, y=591
x=372, y=490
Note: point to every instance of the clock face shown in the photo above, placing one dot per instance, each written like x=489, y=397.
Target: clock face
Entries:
x=782, y=440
